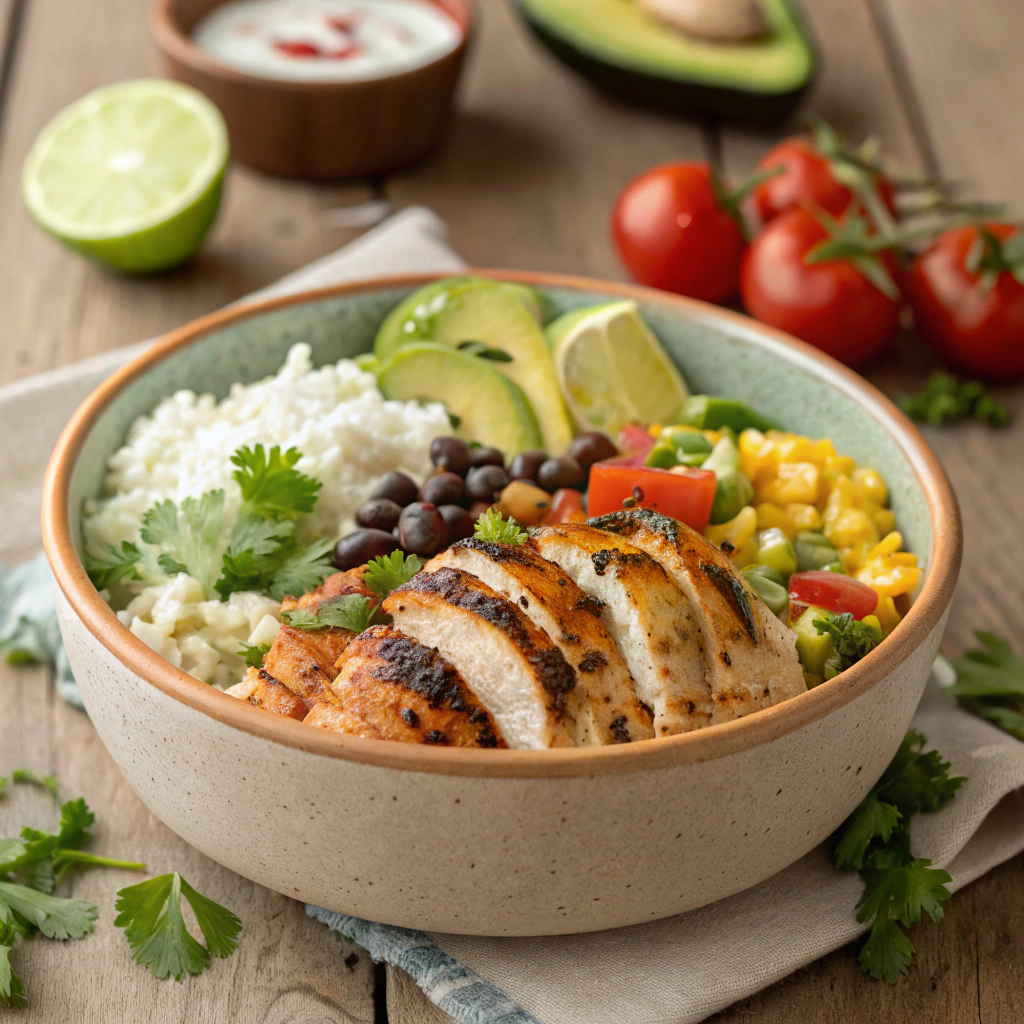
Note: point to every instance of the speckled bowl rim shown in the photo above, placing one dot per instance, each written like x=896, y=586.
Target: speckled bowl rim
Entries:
x=704, y=745
x=177, y=45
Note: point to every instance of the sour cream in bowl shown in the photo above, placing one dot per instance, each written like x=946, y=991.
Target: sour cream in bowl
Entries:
x=326, y=40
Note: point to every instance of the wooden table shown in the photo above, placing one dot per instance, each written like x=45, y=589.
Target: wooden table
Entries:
x=526, y=179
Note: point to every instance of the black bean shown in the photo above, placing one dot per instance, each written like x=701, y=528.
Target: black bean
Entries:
x=593, y=447
x=422, y=529
x=561, y=472
x=460, y=522
x=399, y=487
x=443, y=489
x=485, y=483
x=482, y=456
x=525, y=465
x=450, y=453
x=379, y=514
x=359, y=547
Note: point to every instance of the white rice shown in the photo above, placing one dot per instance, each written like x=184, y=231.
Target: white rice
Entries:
x=349, y=437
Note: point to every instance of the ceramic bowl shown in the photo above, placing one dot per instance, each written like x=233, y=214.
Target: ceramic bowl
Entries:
x=501, y=842
x=318, y=129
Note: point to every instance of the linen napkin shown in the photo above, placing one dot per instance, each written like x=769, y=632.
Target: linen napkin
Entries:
x=675, y=971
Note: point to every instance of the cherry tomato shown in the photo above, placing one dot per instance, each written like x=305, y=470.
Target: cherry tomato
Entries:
x=832, y=591
x=832, y=305
x=807, y=181
x=566, y=507
x=672, y=232
x=972, y=321
x=620, y=483
x=635, y=439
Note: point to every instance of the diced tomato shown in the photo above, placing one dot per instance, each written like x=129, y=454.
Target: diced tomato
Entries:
x=566, y=507
x=833, y=591
x=619, y=483
x=635, y=440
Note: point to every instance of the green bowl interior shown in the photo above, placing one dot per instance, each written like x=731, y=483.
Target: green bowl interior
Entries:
x=716, y=355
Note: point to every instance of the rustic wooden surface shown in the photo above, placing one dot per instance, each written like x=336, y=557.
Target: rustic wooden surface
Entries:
x=525, y=180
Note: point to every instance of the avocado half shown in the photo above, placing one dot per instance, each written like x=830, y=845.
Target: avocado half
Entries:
x=627, y=52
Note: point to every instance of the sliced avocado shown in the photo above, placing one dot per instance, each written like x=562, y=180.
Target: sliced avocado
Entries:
x=622, y=48
x=813, y=647
x=484, y=404
x=504, y=317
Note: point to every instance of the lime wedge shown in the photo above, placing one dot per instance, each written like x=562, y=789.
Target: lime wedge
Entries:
x=613, y=370
x=130, y=174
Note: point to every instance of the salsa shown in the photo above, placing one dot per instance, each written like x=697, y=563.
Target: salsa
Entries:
x=327, y=40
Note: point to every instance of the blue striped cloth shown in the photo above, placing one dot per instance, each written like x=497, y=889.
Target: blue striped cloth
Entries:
x=447, y=983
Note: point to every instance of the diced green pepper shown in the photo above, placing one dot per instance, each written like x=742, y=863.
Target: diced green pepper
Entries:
x=776, y=549
x=710, y=413
x=661, y=456
x=813, y=647
x=773, y=594
x=734, y=490
x=815, y=551
x=767, y=572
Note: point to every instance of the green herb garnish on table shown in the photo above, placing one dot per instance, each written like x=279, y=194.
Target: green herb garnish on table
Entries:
x=944, y=399
x=990, y=683
x=875, y=842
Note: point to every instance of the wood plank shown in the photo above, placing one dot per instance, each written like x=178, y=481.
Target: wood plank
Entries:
x=536, y=157
x=407, y=1004
x=60, y=307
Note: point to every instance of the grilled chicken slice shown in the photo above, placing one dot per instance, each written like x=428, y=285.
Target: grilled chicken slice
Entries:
x=750, y=656
x=647, y=615
x=512, y=667
x=390, y=687
x=604, y=701
x=263, y=691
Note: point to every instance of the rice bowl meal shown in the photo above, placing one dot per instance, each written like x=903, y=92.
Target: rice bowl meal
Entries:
x=495, y=532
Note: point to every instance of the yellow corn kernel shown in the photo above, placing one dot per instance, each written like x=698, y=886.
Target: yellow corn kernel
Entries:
x=803, y=516
x=841, y=496
x=888, y=617
x=853, y=525
x=890, y=580
x=745, y=554
x=758, y=456
x=888, y=545
x=770, y=515
x=839, y=465
x=737, y=531
x=796, y=449
x=870, y=483
x=853, y=558
x=884, y=520
x=794, y=483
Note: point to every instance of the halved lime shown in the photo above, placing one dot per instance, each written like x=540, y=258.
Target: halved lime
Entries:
x=613, y=370
x=130, y=174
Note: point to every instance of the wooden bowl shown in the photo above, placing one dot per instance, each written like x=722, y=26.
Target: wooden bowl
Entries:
x=501, y=842
x=318, y=129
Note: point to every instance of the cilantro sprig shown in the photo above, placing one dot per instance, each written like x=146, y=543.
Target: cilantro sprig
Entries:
x=253, y=654
x=851, y=639
x=492, y=526
x=944, y=399
x=353, y=612
x=261, y=553
x=388, y=572
x=875, y=842
x=990, y=683
x=150, y=914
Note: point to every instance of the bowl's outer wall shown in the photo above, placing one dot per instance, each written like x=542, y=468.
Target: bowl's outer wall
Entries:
x=494, y=856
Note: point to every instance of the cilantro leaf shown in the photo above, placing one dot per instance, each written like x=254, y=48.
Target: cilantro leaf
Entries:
x=387, y=572
x=113, y=565
x=150, y=914
x=492, y=526
x=902, y=893
x=12, y=991
x=851, y=639
x=916, y=781
x=944, y=399
x=871, y=820
x=270, y=485
x=254, y=653
x=303, y=569
x=353, y=612
x=27, y=775
x=189, y=537
x=55, y=917
x=3, y=785
x=887, y=952
x=255, y=552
